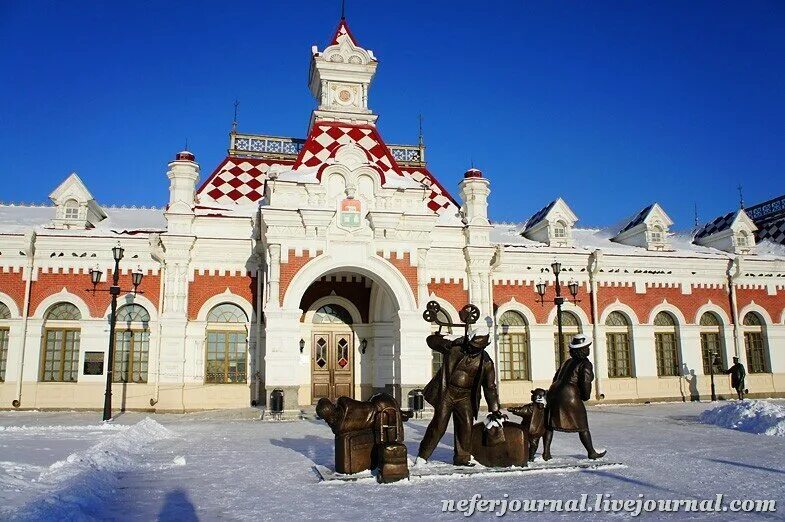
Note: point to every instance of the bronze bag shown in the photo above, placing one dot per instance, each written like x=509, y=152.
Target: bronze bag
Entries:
x=493, y=436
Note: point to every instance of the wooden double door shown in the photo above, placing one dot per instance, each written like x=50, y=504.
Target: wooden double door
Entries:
x=332, y=365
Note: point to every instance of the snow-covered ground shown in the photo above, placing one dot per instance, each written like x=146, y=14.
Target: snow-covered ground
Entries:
x=213, y=465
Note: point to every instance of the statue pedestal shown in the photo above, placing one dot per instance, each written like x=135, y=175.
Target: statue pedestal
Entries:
x=449, y=471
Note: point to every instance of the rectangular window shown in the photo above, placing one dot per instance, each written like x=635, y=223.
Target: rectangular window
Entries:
x=227, y=359
x=131, y=354
x=513, y=357
x=618, y=355
x=756, y=355
x=710, y=343
x=61, y=355
x=667, y=354
x=3, y=352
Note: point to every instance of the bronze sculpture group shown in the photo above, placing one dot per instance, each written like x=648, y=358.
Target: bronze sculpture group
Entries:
x=369, y=434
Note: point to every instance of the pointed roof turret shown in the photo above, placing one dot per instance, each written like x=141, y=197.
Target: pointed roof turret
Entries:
x=340, y=78
x=341, y=30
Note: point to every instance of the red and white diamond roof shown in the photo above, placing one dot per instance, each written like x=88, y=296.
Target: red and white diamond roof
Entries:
x=241, y=180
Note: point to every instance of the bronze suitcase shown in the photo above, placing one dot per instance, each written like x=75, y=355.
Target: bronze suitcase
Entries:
x=354, y=451
x=393, y=465
x=390, y=450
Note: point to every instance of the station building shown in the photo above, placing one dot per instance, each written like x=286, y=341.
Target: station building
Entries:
x=305, y=264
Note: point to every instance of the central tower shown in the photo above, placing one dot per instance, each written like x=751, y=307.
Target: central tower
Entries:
x=339, y=79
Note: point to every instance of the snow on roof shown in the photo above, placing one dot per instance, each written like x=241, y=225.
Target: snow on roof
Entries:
x=589, y=239
x=17, y=219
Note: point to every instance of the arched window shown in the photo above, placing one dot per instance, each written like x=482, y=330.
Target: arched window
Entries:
x=5, y=316
x=755, y=343
x=571, y=326
x=513, y=347
x=560, y=230
x=666, y=345
x=332, y=314
x=742, y=239
x=617, y=340
x=656, y=234
x=711, y=342
x=71, y=209
x=131, y=344
x=438, y=358
x=227, y=345
x=60, y=361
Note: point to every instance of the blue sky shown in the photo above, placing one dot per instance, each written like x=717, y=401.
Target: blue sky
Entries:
x=611, y=105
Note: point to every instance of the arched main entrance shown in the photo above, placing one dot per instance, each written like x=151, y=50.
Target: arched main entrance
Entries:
x=332, y=353
x=386, y=351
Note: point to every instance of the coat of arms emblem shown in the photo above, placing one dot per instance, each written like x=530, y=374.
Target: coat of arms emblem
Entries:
x=350, y=212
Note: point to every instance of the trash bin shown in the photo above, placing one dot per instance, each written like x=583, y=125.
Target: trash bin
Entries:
x=276, y=402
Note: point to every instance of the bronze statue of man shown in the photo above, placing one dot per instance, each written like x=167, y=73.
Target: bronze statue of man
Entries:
x=737, y=374
x=455, y=391
x=571, y=386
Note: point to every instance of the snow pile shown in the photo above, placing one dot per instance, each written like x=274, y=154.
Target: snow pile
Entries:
x=750, y=416
x=75, y=488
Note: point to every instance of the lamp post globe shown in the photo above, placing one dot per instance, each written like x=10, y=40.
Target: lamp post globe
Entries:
x=117, y=252
x=136, y=277
x=95, y=276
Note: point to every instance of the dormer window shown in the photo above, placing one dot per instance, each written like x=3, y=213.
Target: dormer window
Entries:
x=76, y=207
x=733, y=232
x=647, y=229
x=551, y=225
x=71, y=209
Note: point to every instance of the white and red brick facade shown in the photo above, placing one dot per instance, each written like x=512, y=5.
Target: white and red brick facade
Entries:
x=285, y=227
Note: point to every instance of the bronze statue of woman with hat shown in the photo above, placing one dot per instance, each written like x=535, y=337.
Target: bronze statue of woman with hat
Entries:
x=571, y=386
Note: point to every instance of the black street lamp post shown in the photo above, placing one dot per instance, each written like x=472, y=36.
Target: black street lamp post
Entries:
x=558, y=300
x=714, y=359
x=114, y=291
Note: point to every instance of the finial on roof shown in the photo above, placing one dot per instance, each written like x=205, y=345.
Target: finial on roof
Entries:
x=697, y=223
x=419, y=139
x=741, y=197
x=343, y=9
x=234, y=121
x=185, y=155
